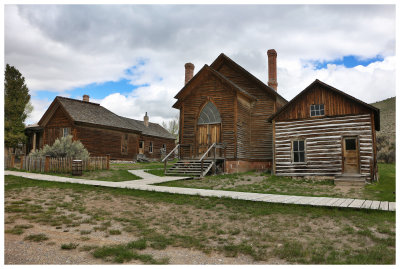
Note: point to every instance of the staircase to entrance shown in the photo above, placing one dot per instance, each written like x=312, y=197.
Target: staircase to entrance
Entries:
x=192, y=168
x=195, y=167
x=348, y=179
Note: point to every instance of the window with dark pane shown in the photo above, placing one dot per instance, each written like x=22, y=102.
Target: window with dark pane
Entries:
x=351, y=144
x=298, y=151
x=209, y=114
x=317, y=110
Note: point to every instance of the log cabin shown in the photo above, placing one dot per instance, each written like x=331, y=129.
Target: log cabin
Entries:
x=224, y=104
x=100, y=131
x=325, y=133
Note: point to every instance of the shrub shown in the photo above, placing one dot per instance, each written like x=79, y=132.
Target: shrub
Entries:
x=386, y=148
x=69, y=246
x=63, y=147
x=36, y=237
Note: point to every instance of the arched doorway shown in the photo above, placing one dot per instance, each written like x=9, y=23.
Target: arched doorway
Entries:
x=208, y=128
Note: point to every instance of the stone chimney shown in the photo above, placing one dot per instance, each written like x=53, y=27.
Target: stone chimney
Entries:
x=146, y=120
x=85, y=98
x=189, y=68
x=272, y=76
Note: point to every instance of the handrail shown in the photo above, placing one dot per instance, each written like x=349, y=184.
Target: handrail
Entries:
x=166, y=157
x=204, y=155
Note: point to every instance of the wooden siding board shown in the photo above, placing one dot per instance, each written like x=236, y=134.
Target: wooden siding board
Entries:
x=223, y=99
x=260, y=129
x=323, y=145
x=336, y=104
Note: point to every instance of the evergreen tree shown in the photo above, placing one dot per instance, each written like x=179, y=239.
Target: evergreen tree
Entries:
x=16, y=106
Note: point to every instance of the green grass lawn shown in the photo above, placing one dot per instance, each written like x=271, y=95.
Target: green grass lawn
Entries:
x=264, y=231
x=103, y=175
x=145, y=166
x=385, y=188
x=265, y=183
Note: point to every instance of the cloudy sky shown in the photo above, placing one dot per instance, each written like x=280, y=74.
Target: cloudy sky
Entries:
x=130, y=58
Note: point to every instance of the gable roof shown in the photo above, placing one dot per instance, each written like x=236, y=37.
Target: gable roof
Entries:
x=222, y=58
x=213, y=69
x=93, y=113
x=208, y=70
x=326, y=86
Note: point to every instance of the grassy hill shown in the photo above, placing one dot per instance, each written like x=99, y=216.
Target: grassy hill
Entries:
x=386, y=137
x=388, y=116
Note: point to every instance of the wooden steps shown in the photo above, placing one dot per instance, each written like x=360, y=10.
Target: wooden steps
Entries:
x=190, y=168
x=356, y=180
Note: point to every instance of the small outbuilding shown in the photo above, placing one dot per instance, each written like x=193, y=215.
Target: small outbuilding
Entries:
x=325, y=133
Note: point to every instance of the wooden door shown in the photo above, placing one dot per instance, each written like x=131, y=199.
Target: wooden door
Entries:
x=207, y=134
x=351, y=155
x=141, y=147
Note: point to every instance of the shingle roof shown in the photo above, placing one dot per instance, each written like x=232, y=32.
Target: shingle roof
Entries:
x=92, y=113
x=153, y=129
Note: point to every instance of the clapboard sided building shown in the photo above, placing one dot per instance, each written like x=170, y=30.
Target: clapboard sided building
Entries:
x=100, y=130
x=224, y=103
x=324, y=132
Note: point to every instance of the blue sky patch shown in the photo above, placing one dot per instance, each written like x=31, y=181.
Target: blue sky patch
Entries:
x=349, y=61
x=94, y=90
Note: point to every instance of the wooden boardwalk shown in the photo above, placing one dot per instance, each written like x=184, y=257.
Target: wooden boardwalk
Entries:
x=148, y=180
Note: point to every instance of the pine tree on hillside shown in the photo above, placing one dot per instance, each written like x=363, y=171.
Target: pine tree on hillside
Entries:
x=16, y=107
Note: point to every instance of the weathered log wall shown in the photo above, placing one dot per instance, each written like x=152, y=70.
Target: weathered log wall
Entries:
x=323, y=144
x=157, y=145
x=101, y=141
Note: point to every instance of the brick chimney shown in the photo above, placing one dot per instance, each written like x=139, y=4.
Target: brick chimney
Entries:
x=146, y=120
x=189, y=68
x=85, y=98
x=272, y=77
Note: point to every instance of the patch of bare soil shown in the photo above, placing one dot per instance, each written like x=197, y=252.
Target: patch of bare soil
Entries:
x=208, y=236
x=247, y=180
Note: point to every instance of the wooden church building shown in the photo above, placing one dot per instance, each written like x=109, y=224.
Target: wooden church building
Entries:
x=324, y=132
x=225, y=104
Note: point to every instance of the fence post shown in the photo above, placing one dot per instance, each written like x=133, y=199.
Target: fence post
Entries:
x=108, y=161
x=22, y=162
x=12, y=160
x=47, y=164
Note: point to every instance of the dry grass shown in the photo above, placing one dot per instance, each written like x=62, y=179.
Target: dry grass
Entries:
x=235, y=229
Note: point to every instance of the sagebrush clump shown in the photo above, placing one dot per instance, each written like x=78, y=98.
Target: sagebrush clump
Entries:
x=386, y=148
x=64, y=147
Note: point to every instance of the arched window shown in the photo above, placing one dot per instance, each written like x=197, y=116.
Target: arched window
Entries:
x=209, y=115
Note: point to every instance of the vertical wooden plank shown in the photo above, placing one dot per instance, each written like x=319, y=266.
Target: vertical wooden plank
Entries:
x=47, y=164
x=22, y=162
x=273, y=149
x=235, y=122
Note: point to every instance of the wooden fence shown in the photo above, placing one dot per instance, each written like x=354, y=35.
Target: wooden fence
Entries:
x=9, y=161
x=62, y=165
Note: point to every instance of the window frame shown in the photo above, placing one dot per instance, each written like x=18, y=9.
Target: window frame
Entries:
x=298, y=151
x=318, y=109
x=151, y=147
x=65, y=130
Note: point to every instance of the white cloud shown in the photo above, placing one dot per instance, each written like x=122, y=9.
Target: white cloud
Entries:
x=61, y=47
